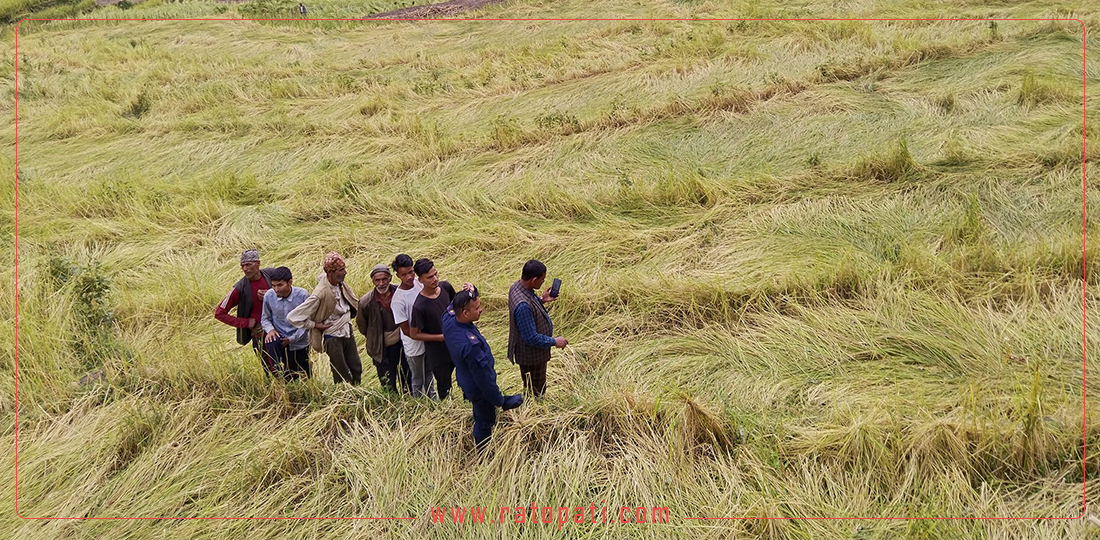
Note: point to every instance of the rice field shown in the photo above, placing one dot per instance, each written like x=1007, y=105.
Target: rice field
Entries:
x=812, y=269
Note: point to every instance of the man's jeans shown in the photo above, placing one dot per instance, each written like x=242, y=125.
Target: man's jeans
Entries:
x=422, y=380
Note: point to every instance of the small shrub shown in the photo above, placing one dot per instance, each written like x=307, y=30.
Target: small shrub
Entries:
x=625, y=182
x=1036, y=91
x=137, y=431
x=506, y=132
x=426, y=87
x=946, y=102
x=847, y=71
x=554, y=120
x=970, y=228
x=955, y=151
x=895, y=166
x=846, y=281
x=425, y=132
x=260, y=9
x=57, y=271
x=485, y=75
x=140, y=105
x=734, y=99
x=242, y=189
x=94, y=339
x=344, y=82
x=93, y=290
x=702, y=428
x=679, y=188
x=814, y=160
x=620, y=113
x=349, y=190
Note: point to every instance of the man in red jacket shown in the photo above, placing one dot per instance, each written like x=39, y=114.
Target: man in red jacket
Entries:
x=247, y=295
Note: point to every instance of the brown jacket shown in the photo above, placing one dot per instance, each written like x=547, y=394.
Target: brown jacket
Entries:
x=317, y=307
x=370, y=324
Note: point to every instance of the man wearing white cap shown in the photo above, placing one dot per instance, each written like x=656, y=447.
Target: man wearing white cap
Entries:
x=375, y=321
x=247, y=296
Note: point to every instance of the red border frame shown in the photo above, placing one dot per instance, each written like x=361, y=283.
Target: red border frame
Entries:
x=1084, y=260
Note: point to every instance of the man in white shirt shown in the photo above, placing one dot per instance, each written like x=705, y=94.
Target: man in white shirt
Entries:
x=403, y=298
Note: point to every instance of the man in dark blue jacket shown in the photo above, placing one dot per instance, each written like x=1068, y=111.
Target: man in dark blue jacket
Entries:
x=474, y=364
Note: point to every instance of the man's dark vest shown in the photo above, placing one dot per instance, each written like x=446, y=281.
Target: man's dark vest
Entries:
x=518, y=351
x=244, y=304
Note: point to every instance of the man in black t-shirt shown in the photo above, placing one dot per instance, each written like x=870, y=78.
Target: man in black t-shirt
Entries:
x=426, y=323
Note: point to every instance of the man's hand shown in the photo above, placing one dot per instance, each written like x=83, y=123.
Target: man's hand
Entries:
x=512, y=401
x=467, y=286
x=546, y=298
x=321, y=326
x=252, y=323
x=261, y=293
x=286, y=342
x=271, y=336
x=560, y=342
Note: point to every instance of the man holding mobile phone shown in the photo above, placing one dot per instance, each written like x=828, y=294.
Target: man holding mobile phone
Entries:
x=530, y=329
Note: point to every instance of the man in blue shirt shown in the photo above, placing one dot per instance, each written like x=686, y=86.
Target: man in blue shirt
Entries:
x=474, y=364
x=286, y=347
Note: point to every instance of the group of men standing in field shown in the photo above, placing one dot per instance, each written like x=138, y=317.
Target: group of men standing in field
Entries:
x=418, y=332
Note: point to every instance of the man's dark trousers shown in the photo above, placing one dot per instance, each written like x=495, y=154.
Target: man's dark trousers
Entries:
x=390, y=366
x=343, y=359
x=406, y=373
x=534, y=379
x=269, y=363
x=291, y=364
x=443, y=374
x=485, y=417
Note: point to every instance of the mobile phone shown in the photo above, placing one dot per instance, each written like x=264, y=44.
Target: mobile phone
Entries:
x=555, y=289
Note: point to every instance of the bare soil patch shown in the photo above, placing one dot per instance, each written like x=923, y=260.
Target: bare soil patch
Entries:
x=433, y=11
